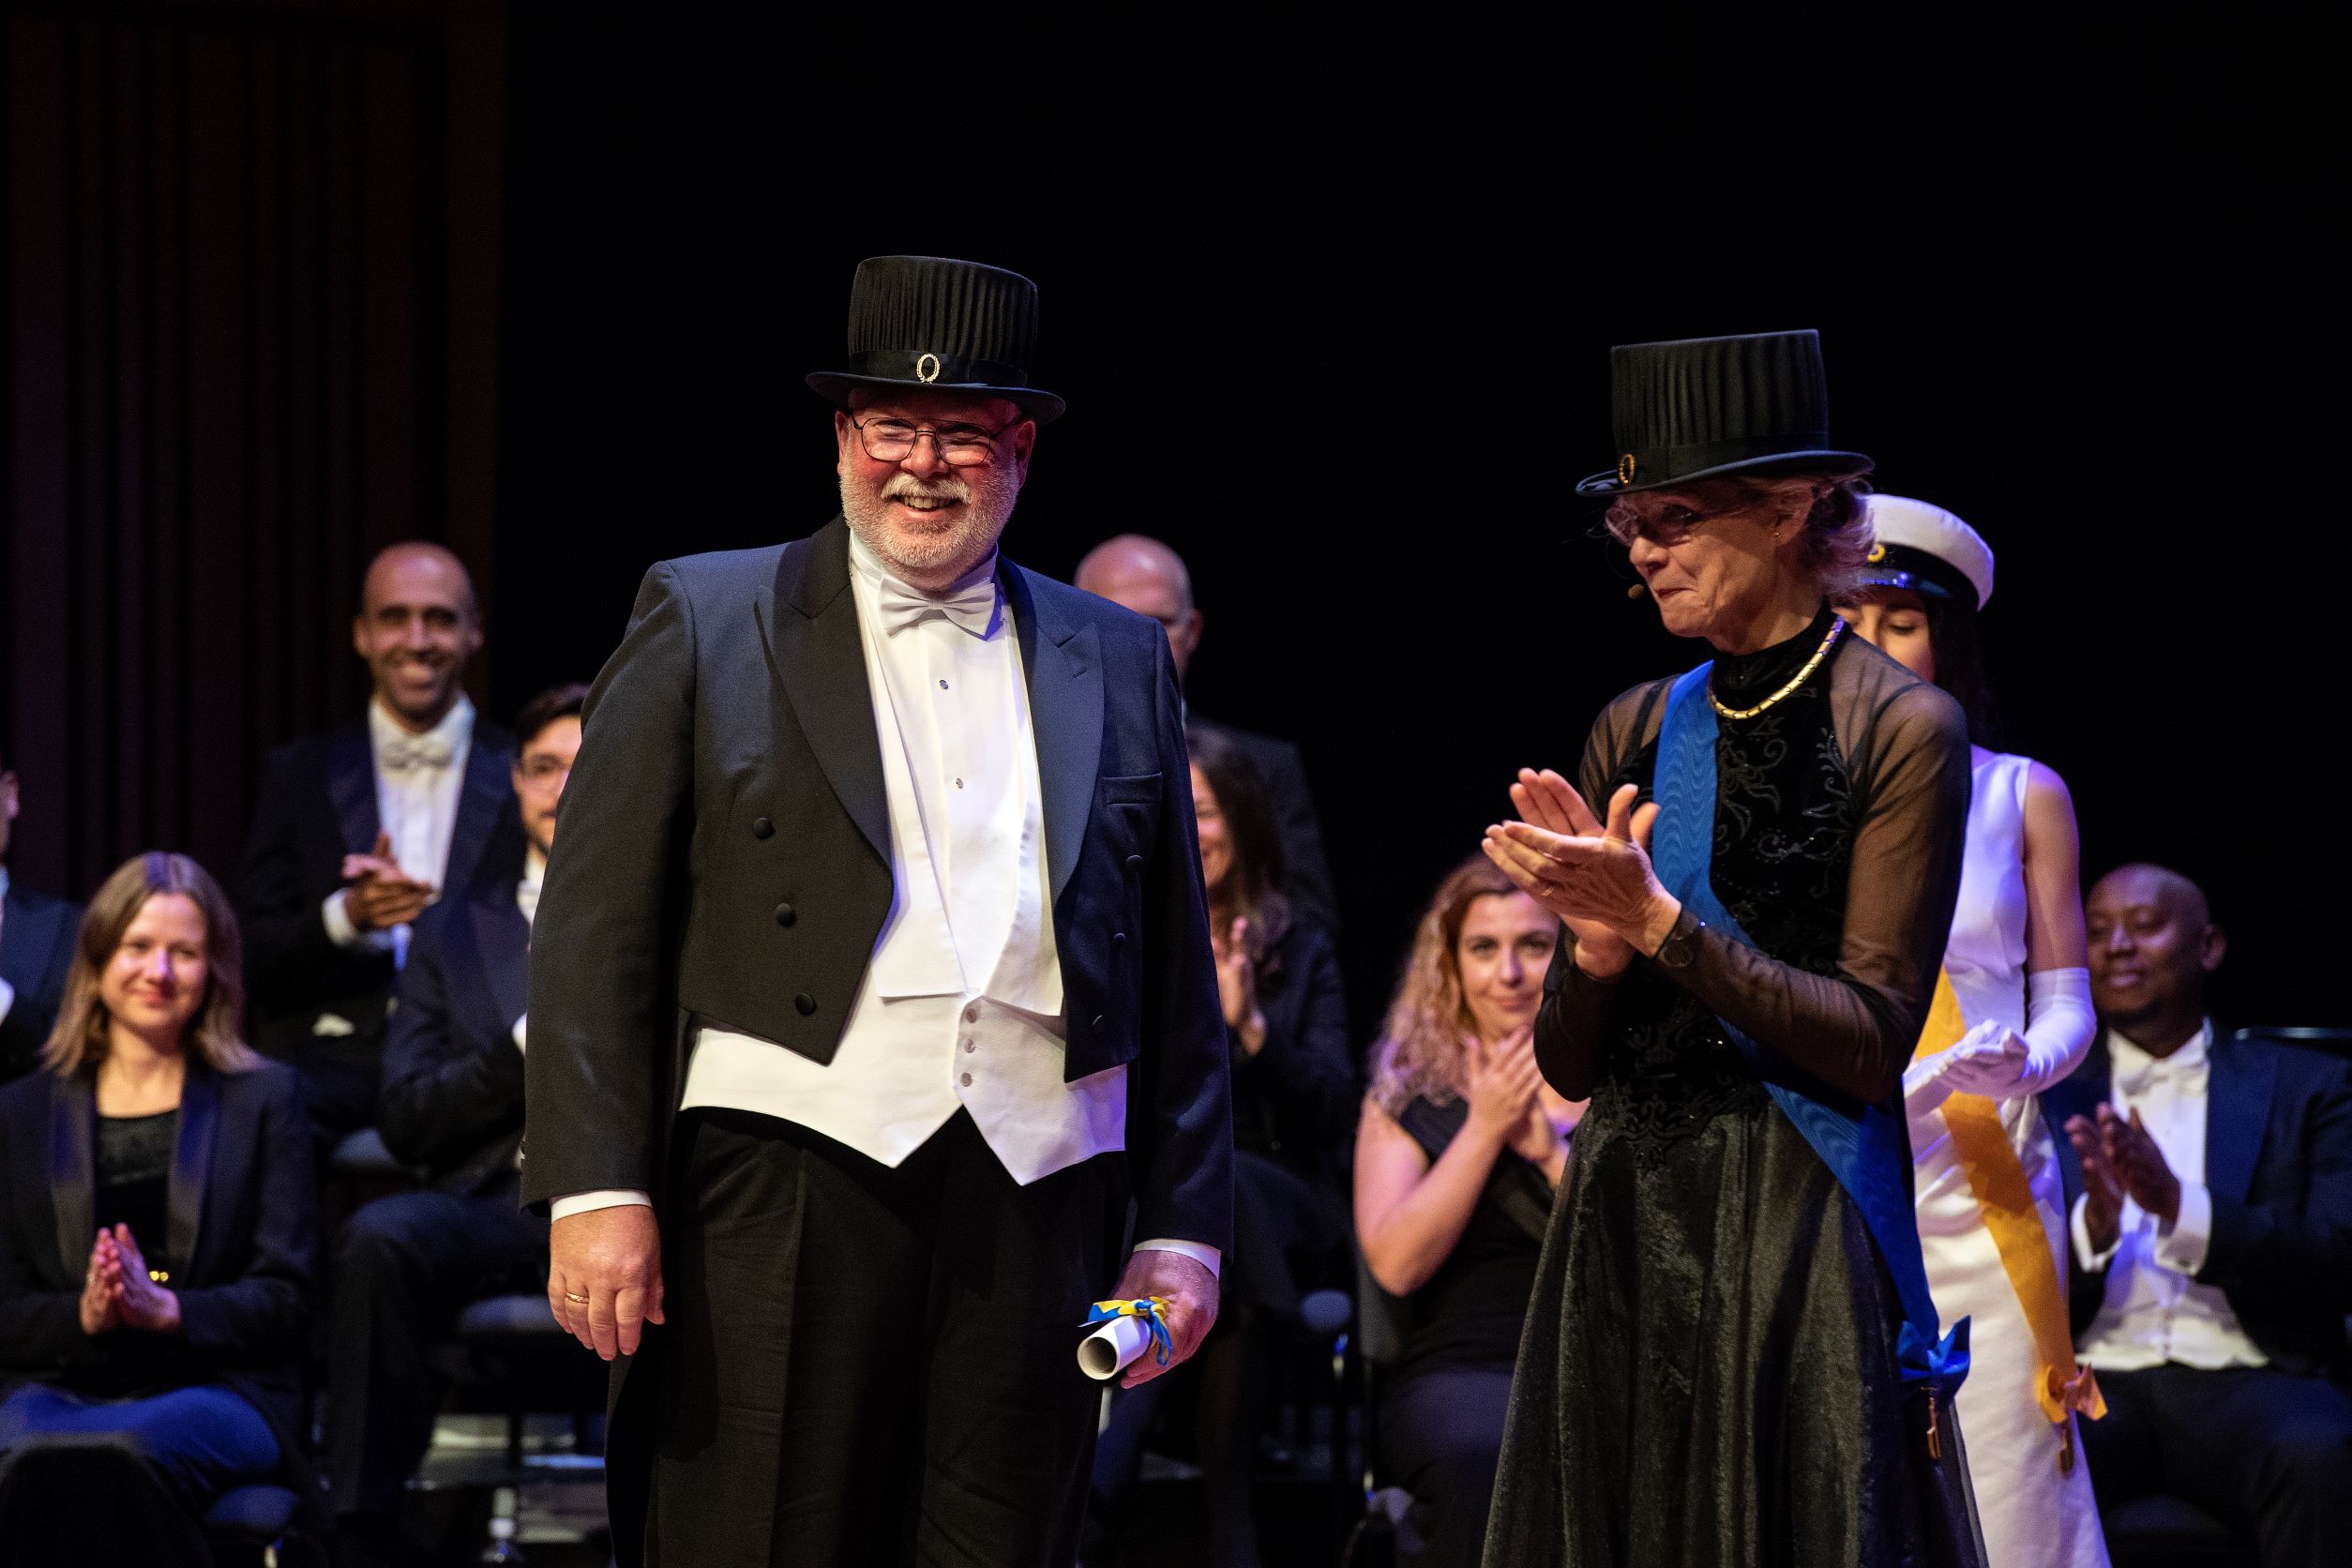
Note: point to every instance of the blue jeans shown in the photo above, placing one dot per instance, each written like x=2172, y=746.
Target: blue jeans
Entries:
x=200, y=1442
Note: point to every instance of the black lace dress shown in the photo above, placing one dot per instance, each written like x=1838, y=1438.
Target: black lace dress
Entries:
x=1708, y=1375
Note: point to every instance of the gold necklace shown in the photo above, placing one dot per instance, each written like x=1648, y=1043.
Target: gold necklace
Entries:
x=1795, y=681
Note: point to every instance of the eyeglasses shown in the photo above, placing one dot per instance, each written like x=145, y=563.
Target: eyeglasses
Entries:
x=1666, y=527
x=959, y=445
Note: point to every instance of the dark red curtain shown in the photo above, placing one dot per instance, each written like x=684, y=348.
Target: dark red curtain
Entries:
x=251, y=338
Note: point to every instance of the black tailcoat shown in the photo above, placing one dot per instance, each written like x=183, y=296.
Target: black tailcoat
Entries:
x=2278, y=1161
x=318, y=803
x=37, y=934
x=452, y=1075
x=724, y=858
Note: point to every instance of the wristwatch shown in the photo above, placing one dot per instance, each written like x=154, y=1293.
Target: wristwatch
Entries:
x=1681, y=943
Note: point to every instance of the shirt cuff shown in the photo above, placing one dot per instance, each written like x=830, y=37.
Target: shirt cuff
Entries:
x=2091, y=1261
x=519, y=1031
x=342, y=933
x=604, y=1197
x=2183, y=1247
x=1201, y=1253
x=8, y=1000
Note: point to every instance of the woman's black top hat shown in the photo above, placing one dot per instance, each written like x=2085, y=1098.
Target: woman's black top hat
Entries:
x=928, y=323
x=1700, y=407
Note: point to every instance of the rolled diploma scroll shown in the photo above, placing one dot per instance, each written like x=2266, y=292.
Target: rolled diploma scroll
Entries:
x=1105, y=1352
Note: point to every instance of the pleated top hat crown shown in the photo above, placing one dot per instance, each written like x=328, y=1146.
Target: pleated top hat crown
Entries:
x=1920, y=547
x=1699, y=407
x=928, y=323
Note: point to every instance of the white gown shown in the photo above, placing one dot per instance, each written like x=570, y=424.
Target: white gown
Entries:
x=2034, y=1515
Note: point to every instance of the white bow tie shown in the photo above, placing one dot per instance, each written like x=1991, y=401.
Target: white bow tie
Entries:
x=971, y=606
x=405, y=753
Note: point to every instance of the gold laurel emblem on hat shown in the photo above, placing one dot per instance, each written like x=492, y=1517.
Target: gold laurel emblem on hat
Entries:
x=1877, y=554
x=927, y=367
x=1625, y=466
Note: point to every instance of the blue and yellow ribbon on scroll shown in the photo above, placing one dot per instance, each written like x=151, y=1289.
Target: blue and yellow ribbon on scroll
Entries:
x=1152, y=1311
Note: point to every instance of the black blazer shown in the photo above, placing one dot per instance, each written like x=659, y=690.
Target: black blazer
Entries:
x=2278, y=1161
x=724, y=856
x=452, y=1078
x=1308, y=879
x=37, y=934
x=318, y=803
x=238, y=1246
x=1296, y=1099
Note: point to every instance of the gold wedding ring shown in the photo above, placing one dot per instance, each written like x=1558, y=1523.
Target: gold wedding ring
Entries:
x=581, y=1301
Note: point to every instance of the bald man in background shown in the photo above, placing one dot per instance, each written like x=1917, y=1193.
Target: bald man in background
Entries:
x=1139, y=573
x=360, y=828
x=2210, y=1185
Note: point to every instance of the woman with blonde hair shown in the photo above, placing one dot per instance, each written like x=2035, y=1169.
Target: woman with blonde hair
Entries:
x=154, y=1238
x=1459, y=1150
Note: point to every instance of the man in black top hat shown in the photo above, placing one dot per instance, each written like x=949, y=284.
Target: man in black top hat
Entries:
x=871, y=986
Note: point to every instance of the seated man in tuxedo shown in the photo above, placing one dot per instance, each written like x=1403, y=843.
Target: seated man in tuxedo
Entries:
x=360, y=827
x=1143, y=575
x=36, y=933
x=407, y=1264
x=2211, y=1188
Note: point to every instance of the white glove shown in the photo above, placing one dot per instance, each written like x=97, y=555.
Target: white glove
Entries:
x=1997, y=1062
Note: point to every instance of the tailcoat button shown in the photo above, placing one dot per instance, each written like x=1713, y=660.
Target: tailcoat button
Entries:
x=763, y=828
x=1118, y=940
x=1098, y=1023
x=1135, y=863
x=786, y=914
x=804, y=1003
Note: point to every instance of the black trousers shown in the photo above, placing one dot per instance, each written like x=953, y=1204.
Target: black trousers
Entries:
x=864, y=1365
x=1440, y=1438
x=404, y=1268
x=2265, y=1451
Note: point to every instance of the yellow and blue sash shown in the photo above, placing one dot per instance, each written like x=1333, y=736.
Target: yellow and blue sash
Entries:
x=1864, y=1146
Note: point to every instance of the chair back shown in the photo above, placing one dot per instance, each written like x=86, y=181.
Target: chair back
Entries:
x=1382, y=1319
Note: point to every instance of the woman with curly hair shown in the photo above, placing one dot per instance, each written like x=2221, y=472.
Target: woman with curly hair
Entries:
x=1732, y=1356
x=1457, y=1153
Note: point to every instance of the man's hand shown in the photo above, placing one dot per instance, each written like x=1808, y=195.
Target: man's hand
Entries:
x=2139, y=1165
x=604, y=1276
x=2103, y=1191
x=141, y=1302
x=381, y=895
x=101, y=1305
x=1191, y=1293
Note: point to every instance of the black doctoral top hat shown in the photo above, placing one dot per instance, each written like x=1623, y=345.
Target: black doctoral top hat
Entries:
x=953, y=327
x=1700, y=407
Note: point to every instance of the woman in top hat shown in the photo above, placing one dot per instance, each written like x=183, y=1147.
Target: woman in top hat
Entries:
x=2012, y=1017
x=1731, y=1356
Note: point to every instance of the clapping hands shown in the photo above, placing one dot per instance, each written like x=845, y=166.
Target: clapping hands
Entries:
x=381, y=895
x=1237, y=984
x=1596, y=875
x=2120, y=1160
x=117, y=1293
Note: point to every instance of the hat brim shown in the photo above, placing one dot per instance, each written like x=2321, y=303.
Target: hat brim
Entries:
x=836, y=386
x=1601, y=486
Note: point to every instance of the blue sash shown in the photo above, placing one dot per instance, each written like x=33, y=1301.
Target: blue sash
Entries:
x=1864, y=1147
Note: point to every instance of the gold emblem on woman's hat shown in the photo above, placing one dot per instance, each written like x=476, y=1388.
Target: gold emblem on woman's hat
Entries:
x=1625, y=466
x=927, y=367
x=1877, y=554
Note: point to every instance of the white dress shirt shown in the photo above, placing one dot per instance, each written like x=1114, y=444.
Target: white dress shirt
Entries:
x=2153, y=1310
x=7, y=992
x=419, y=781
x=961, y=1005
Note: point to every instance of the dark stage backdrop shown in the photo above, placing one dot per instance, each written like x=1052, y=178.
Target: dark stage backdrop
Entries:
x=253, y=271
x=1353, y=374
x=1345, y=352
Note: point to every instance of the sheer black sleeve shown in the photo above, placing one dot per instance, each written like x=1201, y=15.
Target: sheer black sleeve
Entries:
x=1572, y=1027
x=1906, y=744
